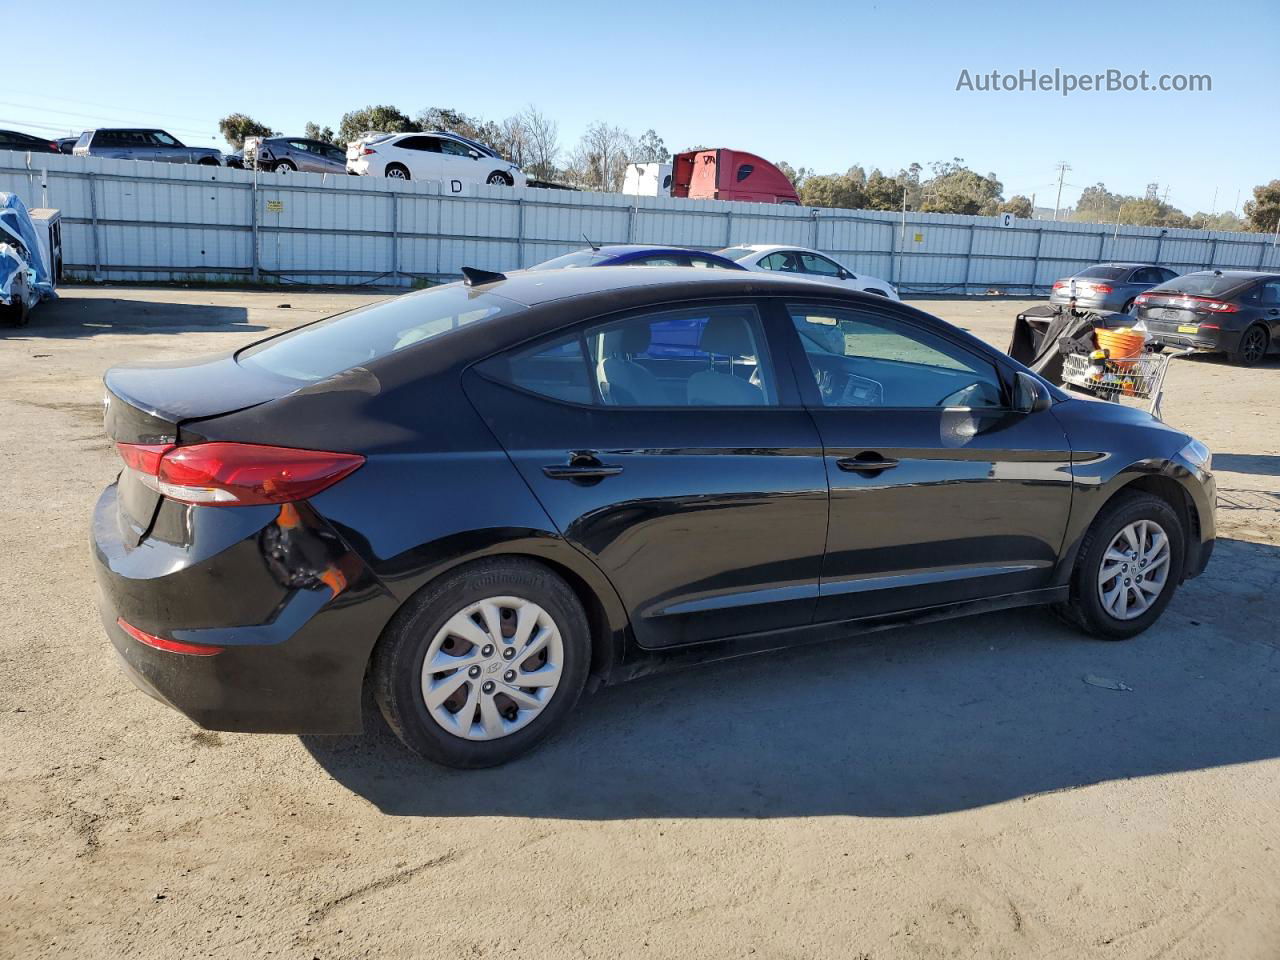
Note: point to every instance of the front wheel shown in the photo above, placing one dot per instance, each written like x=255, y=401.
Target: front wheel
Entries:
x=1128, y=567
x=284, y=166
x=1252, y=347
x=483, y=664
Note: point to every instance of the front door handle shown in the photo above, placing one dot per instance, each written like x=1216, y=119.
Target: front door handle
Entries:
x=581, y=466
x=866, y=462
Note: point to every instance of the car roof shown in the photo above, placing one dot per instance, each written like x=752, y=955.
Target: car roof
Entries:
x=533, y=287
x=763, y=247
x=1237, y=274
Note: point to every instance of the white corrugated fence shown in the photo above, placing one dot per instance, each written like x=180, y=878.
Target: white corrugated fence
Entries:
x=127, y=220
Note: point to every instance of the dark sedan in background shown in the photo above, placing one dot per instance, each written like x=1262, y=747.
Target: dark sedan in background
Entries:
x=14, y=140
x=1108, y=287
x=1236, y=312
x=474, y=498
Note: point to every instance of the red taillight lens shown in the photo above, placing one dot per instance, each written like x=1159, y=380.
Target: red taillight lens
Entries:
x=1220, y=306
x=1059, y=284
x=143, y=457
x=236, y=474
x=164, y=643
x=1141, y=300
x=1101, y=288
x=366, y=151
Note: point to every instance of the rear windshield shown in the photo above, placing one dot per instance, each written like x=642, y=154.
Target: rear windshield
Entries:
x=582, y=258
x=1201, y=284
x=331, y=346
x=1103, y=273
x=735, y=253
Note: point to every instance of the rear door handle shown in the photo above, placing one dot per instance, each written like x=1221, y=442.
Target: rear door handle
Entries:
x=866, y=462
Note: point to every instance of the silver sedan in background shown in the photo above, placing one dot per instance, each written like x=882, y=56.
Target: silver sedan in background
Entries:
x=1108, y=287
x=293, y=155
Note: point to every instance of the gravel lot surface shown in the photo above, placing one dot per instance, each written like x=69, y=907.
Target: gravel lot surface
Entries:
x=953, y=790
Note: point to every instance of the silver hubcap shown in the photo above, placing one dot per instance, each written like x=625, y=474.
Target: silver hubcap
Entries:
x=396, y=174
x=1134, y=570
x=492, y=668
x=498, y=181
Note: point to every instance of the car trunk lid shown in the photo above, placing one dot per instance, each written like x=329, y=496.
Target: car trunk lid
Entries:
x=146, y=404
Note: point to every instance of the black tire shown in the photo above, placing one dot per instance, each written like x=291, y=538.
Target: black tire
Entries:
x=1085, y=610
x=284, y=166
x=396, y=671
x=499, y=179
x=397, y=171
x=1127, y=307
x=206, y=162
x=1252, y=348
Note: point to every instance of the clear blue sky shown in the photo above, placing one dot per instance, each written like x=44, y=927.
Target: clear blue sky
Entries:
x=819, y=84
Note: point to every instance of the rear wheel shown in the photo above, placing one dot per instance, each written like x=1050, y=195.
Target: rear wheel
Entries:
x=499, y=179
x=397, y=171
x=1128, y=568
x=1128, y=307
x=481, y=665
x=1252, y=347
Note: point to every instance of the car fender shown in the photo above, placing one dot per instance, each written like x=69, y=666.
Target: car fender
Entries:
x=1097, y=483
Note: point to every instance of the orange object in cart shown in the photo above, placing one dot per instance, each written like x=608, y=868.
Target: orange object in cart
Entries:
x=1121, y=344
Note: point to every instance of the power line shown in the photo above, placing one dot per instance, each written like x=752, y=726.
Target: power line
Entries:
x=91, y=119
x=106, y=106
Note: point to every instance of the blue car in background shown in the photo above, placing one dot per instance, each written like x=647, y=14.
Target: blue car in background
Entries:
x=674, y=338
x=638, y=255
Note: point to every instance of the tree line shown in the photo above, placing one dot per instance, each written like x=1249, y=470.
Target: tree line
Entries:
x=599, y=160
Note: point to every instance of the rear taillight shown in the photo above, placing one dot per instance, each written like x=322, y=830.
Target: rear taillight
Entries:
x=236, y=474
x=1220, y=306
x=1101, y=288
x=1059, y=284
x=365, y=151
x=1141, y=300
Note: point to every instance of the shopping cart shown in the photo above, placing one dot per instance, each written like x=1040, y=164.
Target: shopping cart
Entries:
x=1140, y=377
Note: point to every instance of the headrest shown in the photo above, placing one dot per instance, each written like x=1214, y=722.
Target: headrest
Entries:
x=727, y=336
x=634, y=338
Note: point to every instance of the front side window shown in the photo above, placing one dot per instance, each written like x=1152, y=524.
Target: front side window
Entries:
x=164, y=139
x=785, y=261
x=865, y=359
x=454, y=148
x=819, y=265
x=681, y=357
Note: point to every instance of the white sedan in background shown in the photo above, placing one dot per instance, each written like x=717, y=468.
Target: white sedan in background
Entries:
x=430, y=156
x=806, y=263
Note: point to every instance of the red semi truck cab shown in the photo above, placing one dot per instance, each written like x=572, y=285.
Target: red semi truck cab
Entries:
x=724, y=174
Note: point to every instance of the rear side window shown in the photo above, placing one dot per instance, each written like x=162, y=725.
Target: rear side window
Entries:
x=686, y=357
x=320, y=350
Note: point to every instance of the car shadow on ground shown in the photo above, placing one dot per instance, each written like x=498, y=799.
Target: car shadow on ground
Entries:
x=922, y=720
x=1263, y=465
x=68, y=318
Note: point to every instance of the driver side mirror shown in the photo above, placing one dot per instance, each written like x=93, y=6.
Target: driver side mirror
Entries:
x=1030, y=395
x=475, y=154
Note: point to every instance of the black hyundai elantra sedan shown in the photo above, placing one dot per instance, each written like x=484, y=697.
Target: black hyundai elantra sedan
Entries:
x=479, y=499
x=1236, y=312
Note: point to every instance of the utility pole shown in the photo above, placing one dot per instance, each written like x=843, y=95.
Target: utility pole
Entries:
x=1063, y=167
x=1213, y=208
x=902, y=241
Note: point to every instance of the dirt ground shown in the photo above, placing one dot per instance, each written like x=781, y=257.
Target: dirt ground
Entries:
x=954, y=790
